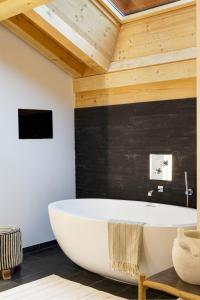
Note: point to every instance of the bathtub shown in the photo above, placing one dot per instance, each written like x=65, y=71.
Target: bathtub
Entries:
x=80, y=227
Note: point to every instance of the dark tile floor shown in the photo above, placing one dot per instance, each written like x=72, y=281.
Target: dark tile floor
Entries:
x=41, y=263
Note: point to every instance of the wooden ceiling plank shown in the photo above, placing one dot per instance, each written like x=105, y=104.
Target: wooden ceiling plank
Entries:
x=90, y=22
x=77, y=14
x=69, y=38
x=159, y=34
x=10, y=8
x=42, y=42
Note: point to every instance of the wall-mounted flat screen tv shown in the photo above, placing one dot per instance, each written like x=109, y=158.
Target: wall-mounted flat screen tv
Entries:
x=35, y=124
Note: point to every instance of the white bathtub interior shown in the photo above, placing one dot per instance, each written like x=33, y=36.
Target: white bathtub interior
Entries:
x=153, y=214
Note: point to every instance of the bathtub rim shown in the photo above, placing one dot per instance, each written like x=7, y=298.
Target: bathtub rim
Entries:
x=52, y=206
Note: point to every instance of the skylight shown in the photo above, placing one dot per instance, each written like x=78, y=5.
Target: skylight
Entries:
x=128, y=7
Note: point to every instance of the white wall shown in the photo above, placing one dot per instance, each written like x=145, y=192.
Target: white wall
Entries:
x=33, y=173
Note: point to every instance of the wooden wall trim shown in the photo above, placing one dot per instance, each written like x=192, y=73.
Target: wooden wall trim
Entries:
x=177, y=89
x=157, y=59
x=165, y=72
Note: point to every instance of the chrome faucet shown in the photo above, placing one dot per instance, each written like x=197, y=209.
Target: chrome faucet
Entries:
x=151, y=192
x=159, y=189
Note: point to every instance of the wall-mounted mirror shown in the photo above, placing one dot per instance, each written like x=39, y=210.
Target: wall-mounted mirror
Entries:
x=160, y=166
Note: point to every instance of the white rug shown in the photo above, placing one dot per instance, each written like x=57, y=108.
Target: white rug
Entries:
x=55, y=288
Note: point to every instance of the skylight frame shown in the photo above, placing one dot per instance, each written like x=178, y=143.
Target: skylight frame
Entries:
x=123, y=19
x=123, y=11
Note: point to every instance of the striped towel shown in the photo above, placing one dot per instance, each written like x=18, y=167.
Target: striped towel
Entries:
x=124, y=246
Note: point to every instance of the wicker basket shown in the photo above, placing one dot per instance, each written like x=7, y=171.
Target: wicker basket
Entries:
x=10, y=250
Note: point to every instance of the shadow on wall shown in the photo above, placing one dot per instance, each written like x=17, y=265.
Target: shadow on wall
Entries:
x=113, y=144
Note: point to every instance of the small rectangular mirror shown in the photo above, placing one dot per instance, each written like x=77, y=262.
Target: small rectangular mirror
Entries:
x=160, y=167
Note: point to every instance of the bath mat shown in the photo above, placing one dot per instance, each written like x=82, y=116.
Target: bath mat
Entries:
x=54, y=287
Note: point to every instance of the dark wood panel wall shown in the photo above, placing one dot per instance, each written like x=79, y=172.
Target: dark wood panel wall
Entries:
x=113, y=144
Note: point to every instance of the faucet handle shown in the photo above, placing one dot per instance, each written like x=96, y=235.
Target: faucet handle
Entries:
x=160, y=189
x=189, y=192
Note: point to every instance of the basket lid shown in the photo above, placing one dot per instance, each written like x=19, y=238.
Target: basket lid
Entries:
x=8, y=229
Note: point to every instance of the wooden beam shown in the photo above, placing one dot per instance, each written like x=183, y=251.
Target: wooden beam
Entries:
x=198, y=110
x=41, y=41
x=152, y=60
x=151, y=74
x=81, y=36
x=177, y=89
x=69, y=38
x=10, y=8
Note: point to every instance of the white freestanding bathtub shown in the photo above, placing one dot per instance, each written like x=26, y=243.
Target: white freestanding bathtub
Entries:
x=80, y=227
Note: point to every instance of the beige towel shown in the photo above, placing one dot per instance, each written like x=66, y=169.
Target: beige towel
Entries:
x=124, y=246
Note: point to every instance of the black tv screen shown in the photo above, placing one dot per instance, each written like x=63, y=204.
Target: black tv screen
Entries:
x=35, y=124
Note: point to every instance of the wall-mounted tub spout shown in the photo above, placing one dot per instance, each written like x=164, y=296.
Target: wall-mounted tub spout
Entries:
x=150, y=193
x=159, y=189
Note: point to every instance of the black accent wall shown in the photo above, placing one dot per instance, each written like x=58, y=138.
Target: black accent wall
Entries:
x=113, y=144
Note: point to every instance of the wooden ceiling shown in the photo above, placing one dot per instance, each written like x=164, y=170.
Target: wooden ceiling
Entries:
x=127, y=7
x=10, y=8
x=68, y=34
